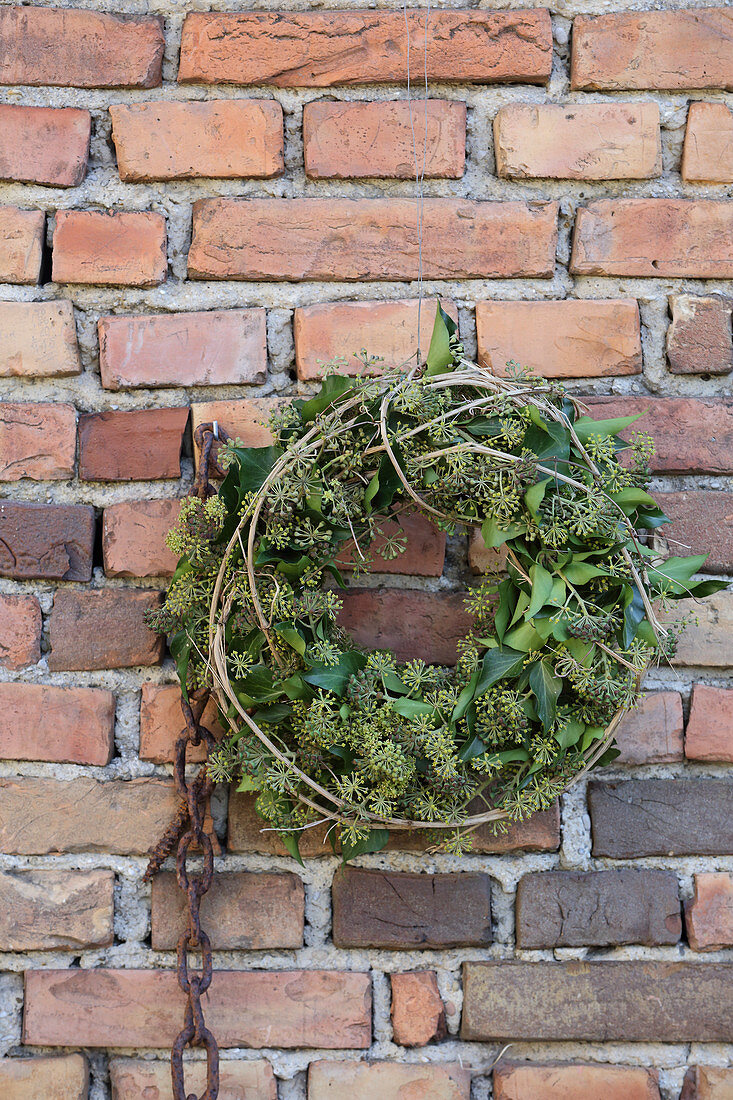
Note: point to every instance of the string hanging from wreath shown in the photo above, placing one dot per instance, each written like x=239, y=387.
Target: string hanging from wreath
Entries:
x=326, y=731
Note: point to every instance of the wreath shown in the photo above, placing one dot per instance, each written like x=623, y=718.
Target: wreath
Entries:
x=326, y=731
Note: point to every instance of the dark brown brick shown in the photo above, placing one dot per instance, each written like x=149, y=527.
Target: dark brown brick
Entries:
x=410, y=911
x=242, y=911
x=597, y=908
x=50, y=541
x=141, y=445
x=661, y=817
x=668, y=1002
x=103, y=629
x=410, y=623
x=702, y=523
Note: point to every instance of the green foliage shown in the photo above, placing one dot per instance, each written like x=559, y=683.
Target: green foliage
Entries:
x=558, y=641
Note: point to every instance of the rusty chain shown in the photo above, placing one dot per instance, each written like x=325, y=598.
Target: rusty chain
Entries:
x=187, y=830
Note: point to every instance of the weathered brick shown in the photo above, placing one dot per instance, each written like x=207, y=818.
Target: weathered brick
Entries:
x=84, y=49
x=709, y=913
x=133, y=538
x=388, y=1081
x=244, y=418
x=334, y=330
x=37, y=440
x=119, y=817
x=21, y=242
x=161, y=723
x=652, y=733
x=219, y=347
x=593, y=141
x=242, y=910
x=142, y=1008
x=221, y=139
x=699, y=337
x=134, y=445
x=20, y=631
x=653, y=49
x=238, y=1080
x=63, y=1078
x=481, y=559
x=41, y=722
x=103, y=628
x=669, y=238
x=114, y=248
x=709, y=733
x=38, y=339
x=43, y=910
x=423, y=556
x=706, y=638
x=408, y=622
x=574, y=1082
x=561, y=339
x=702, y=523
x=403, y=911
x=661, y=817
x=597, y=908
x=49, y=541
x=46, y=145
x=418, y=1012
x=639, y=1001
x=707, y=1083
x=322, y=49
x=353, y=239
x=707, y=156
x=691, y=435
x=355, y=140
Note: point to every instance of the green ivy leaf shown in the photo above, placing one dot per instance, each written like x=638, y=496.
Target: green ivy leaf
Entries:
x=495, y=536
x=292, y=844
x=334, y=678
x=180, y=647
x=497, y=664
x=440, y=358
x=334, y=387
x=374, y=842
x=255, y=464
x=546, y=687
x=585, y=427
x=542, y=583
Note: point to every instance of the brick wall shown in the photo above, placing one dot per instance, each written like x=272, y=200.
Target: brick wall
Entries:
x=200, y=208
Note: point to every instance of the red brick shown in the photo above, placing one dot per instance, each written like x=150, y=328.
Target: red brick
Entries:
x=44, y=144
x=561, y=339
x=342, y=329
x=63, y=1078
x=238, y=1080
x=482, y=560
x=567, y=1082
x=702, y=523
x=423, y=556
x=242, y=910
x=58, y=724
x=388, y=1081
x=85, y=49
x=21, y=242
x=705, y=639
x=707, y=1083
x=699, y=337
x=707, y=156
x=418, y=1012
x=133, y=538
x=37, y=440
x=220, y=139
x=709, y=734
x=652, y=732
x=48, y=541
x=354, y=239
x=220, y=347
x=244, y=419
x=20, y=631
x=322, y=49
x=46, y=910
x=356, y=140
x=653, y=49
x=142, y=1008
x=137, y=445
x=668, y=238
x=117, y=817
x=38, y=339
x=102, y=628
x=161, y=722
x=110, y=248
x=408, y=622
x=691, y=435
x=709, y=913
x=590, y=141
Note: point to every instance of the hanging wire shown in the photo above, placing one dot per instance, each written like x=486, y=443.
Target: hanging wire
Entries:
x=419, y=171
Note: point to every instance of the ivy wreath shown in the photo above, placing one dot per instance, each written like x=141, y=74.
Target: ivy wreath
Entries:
x=325, y=731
